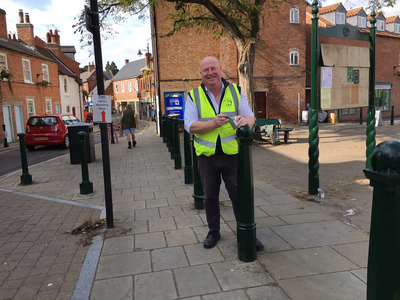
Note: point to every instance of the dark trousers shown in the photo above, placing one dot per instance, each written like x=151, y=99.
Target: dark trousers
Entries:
x=210, y=170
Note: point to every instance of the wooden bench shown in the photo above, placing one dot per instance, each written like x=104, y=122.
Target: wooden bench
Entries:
x=272, y=128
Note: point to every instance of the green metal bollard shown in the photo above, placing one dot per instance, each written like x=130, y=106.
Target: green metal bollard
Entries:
x=164, y=128
x=169, y=134
x=177, y=144
x=26, y=178
x=338, y=116
x=171, y=138
x=246, y=227
x=198, y=193
x=361, y=117
x=384, y=247
x=85, y=187
x=392, y=116
x=188, y=169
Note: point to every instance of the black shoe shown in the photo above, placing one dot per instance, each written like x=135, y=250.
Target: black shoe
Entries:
x=133, y=143
x=211, y=239
x=259, y=245
x=129, y=145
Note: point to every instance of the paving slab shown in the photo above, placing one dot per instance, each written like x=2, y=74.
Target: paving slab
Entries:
x=197, y=255
x=155, y=286
x=356, y=252
x=169, y=258
x=113, y=288
x=117, y=245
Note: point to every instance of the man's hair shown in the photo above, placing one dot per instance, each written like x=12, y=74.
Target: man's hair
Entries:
x=129, y=106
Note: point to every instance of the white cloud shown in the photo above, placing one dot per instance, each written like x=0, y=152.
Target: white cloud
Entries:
x=133, y=34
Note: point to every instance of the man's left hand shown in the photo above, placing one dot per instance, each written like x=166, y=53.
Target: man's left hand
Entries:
x=241, y=121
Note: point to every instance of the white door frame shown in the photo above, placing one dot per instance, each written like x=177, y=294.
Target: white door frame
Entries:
x=8, y=122
x=19, y=118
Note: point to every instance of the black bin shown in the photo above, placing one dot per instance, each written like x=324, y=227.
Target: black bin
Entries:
x=74, y=146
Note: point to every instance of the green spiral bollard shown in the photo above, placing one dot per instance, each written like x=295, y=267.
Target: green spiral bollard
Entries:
x=383, y=277
x=85, y=187
x=371, y=132
x=177, y=144
x=26, y=178
x=246, y=227
x=198, y=193
x=188, y=169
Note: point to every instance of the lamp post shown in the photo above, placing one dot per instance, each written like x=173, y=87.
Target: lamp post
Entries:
x=148, y=57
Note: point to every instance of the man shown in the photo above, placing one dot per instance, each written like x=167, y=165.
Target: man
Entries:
x=206, y=116
x=129, y=123
x=85, y=114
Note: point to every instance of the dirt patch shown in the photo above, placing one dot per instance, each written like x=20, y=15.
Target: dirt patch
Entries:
x=88, y=229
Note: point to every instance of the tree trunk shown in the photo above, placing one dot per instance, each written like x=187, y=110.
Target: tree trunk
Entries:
x=245, y=72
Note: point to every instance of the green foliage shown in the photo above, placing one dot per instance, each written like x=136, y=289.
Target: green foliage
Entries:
x=84, y=69
x=378, y=5
x=7, y=75
x=45, y=83
x=112, y=67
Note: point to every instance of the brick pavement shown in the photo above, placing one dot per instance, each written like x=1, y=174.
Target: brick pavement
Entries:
x=38, y=260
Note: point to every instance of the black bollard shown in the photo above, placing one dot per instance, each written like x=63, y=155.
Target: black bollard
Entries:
x=188, y=170
x=26, y=178
x=112, y=133
x=198, y=193
x=85, y=187
x=392, y=116
x=246, y=227
x=5, y=137
x=361, y=117
x=177, y=144
x=164, y=128
x=170, y=136
x=383, y=278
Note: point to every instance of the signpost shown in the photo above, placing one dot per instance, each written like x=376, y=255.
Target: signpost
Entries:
x=101, y=109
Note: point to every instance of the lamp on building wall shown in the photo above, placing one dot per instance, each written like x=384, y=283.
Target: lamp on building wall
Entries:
x=147, y=54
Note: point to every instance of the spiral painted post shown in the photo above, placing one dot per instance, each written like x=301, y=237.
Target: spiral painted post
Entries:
x=371, y=142
x=383, y=277
x=313, y=139
x=26, y=178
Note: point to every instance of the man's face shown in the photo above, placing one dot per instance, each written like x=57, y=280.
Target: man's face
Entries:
x=210, y=71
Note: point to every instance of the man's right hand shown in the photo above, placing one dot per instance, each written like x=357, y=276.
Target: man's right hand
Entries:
x=220, y=120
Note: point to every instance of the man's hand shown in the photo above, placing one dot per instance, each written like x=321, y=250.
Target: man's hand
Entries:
x=220, y=120
x=245, y=121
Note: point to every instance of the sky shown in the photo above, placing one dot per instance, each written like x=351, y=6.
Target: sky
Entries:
x=56, y=14
x=133, y=35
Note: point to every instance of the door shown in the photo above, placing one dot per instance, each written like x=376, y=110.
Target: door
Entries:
x=8, y=122
x=261, y=105
x=19, y=119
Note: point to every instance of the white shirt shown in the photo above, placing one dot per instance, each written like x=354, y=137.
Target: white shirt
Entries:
x=191, y=114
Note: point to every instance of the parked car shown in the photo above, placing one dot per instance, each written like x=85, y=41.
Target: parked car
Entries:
x=49, y=129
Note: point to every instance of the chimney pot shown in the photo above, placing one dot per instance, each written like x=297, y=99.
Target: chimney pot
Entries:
x=51, y=31
x=14, y=38
x=21, y=16
x=27, y=18
x=126, y=61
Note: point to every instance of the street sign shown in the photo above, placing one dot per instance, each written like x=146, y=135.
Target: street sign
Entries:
x=101, y=109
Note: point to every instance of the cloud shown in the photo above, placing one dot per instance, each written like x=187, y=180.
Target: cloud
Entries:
x=55, y=14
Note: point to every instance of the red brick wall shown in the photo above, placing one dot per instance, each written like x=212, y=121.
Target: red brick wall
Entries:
x=180, y=56
x=21, y=90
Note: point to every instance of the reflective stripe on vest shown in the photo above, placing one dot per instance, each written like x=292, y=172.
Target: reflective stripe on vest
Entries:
x=205, y=144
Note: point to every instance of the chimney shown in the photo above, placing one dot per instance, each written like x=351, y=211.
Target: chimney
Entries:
x=27, y=18
x=53, y=42
x=126, y=61
x=91, y=67
x=25, y=30
x=3, y=24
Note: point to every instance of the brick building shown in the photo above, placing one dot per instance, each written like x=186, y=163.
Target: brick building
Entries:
x=280, y=63
x=387, y=85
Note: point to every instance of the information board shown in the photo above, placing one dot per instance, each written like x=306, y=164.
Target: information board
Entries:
x=174, y=104
x=101, y=109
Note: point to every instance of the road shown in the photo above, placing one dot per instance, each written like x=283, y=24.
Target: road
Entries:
x=11, y=160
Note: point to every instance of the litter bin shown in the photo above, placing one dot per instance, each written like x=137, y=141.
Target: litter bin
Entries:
x=74, y=147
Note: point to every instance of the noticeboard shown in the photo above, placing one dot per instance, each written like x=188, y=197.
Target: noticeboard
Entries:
x=174, y=103
x=101, y=108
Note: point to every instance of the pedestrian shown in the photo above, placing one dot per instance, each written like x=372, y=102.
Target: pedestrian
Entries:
x=206, y=116
x=154, y=114
x=129, y=123
x=85, y=114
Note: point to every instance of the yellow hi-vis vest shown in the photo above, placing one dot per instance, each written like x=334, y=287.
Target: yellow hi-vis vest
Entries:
x=205, y=144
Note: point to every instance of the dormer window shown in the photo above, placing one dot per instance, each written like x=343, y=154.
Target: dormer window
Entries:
x=396, y=28
x=380, y=25
x=362, y=22
x=294, y=15
x=340, y=18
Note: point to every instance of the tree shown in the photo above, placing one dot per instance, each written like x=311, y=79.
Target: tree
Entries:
x=84, y=69
x=378, y=5
x=112, y=67
x=240, y=19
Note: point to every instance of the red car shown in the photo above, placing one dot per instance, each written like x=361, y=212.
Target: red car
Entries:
x=50, y=129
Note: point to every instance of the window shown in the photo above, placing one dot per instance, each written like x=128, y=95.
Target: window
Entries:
x=294, y=15
x=49, y=109
x=122, y=87
x=396, y=28
x=68, y=109
x=45, y=72
x=340, y=18
x=348, y=111
x=380, y=25
x=116, y=88
x=66, y=84
x=137, y=86
x=30, y=107
x=294, y=58
x=26, y=65
x=58, y=108
x=3, y=62
x=382, y=98
x=130, y=86
x=362, y=22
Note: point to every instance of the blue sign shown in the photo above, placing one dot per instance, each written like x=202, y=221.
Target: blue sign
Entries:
x=174, y=103
x=90, y=104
